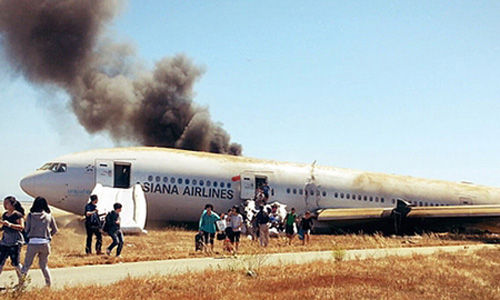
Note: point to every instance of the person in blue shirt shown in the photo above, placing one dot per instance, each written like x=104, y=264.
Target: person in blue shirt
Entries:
x=207, y=225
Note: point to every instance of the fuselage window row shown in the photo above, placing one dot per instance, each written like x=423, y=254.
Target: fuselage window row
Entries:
x=186, y=181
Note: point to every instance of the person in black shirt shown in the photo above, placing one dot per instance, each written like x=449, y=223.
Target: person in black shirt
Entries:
x=262, y=221
x=12, y=239
x=112, y=227
x=93, y=225
x=306, y=224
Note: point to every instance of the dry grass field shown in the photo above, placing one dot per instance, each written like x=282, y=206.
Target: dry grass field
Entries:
x=176, y=242
x=441, y=276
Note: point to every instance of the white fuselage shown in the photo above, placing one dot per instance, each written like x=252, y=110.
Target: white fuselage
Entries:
x=177, y=184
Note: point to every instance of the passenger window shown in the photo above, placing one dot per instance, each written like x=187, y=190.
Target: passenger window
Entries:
x=150, y=178
x=194, y=181
x=365, y=198
x=342, y=195
x=300, y=191
x=172, y=180
x=359, y=197
x=209, y=183
x=222, y=184
x=393, y=201
x=336, y=194
x=371, y=198
x=324, y=194
x=215, y=183
x=348, y=196
x=382, y=200
x=179, y=181
x=186, y=181
x=376, y=199
x=229, y=185
x=158, y=178
x=288, y=191
x=201, y=182
x=165, y=179
x=294, y=191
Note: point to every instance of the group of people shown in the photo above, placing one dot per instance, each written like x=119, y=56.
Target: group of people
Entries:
x=232, y=224
x=36, y=230
x=229, y=225
x=111, y=225
x=270, y=220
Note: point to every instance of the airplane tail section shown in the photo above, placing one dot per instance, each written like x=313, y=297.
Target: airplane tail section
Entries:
x=134, y=209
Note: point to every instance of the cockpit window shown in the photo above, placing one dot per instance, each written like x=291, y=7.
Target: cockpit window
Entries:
x=55, y=167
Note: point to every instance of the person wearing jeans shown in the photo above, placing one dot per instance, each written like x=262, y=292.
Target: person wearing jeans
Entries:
x=112, y=227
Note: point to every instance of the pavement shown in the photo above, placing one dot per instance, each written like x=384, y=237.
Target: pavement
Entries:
x=108, y=274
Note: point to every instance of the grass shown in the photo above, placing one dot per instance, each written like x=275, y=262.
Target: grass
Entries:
x=176, y=242
x=440, y=276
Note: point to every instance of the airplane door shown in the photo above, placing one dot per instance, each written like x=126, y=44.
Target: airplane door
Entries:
x=104, y=172
x=247, y=190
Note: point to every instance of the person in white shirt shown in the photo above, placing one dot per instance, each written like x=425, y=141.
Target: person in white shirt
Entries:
x=236, y=225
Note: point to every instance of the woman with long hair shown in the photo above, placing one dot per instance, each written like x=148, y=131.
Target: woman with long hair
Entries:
x=40, y=227
x=12, y=239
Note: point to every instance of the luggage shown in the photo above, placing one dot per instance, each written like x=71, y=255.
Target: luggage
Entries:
x=198, y=241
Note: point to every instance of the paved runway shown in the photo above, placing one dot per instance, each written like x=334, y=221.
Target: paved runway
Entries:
x=107, y=274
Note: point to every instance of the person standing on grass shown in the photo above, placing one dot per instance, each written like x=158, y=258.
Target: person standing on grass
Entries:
x=262, y=222
x=40, y=227
x=236, y=224
x=12, y=238
x=93, y=225
x=207, y=225
x=113, y=229
x=289, y=222
x=306, y=225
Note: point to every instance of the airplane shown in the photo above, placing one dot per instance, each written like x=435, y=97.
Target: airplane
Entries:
x=168, y=185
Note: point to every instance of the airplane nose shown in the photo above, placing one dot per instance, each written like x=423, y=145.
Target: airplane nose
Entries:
x=28, y=185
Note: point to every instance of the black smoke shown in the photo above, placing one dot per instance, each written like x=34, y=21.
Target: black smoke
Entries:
x=62, y=43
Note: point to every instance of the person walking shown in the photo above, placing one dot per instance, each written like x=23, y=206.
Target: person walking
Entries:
x=40, y=227
x=236, y=225
x=290, y=219
x=12, y=238
x=306, y=225
x=112, y=227
x=262, y=220
x=207, y=225
x=93, y=225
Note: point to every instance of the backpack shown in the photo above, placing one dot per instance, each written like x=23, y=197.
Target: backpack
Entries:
x=95, y=221
x=107, y=223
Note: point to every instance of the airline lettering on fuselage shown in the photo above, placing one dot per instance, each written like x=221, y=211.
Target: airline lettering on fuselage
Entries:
x=191, y=191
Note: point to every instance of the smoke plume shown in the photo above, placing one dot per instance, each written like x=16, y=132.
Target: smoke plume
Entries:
x=62, y=43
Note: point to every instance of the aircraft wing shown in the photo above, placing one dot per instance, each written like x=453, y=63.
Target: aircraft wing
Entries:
x=428, y=217
x=134, y=209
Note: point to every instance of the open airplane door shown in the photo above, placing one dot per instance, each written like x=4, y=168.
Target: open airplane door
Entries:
x=134, y=209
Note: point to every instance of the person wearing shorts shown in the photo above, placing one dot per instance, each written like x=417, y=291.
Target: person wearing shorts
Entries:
x=289, y=221
x=236, y=224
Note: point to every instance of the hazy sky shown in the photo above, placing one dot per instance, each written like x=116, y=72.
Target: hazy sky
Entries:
x=400, y=87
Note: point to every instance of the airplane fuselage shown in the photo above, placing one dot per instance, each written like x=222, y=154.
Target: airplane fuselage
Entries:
x=177, y=183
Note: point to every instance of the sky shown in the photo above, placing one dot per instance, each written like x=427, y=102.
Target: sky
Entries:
x=401, y=87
